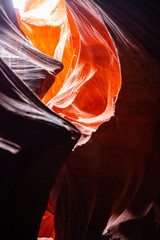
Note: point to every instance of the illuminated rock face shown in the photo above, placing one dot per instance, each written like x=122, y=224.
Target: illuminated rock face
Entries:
x=34, y=141
x=73, y=32
x=115, y=176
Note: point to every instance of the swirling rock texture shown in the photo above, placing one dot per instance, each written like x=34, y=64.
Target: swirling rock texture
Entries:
x=34, y=141
x=74, y=33
x=113, y=180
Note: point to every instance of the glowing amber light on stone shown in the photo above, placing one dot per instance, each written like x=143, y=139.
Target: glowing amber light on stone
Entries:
x=86, y=89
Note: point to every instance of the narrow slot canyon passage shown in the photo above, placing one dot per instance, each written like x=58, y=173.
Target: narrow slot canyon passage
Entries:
x=79, y=120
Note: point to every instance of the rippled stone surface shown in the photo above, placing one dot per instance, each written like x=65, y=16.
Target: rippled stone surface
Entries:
x=34, y=141
x=114, y=179
x=73, y=32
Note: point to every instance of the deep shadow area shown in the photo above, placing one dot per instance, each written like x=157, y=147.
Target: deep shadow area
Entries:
x=119, y=167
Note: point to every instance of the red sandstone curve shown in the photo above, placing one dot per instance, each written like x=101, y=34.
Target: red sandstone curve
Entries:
x=73, y=32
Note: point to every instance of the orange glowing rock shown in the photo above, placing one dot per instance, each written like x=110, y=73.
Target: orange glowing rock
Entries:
x=85, y=91
x=47, y=223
